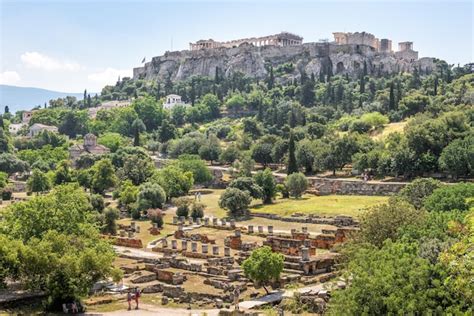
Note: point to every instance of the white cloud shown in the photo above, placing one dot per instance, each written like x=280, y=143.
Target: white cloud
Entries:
x=9, y=77
x=109, y=75
x=40, y=61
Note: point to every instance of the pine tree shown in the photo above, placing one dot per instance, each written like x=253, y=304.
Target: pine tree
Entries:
x=292, y=166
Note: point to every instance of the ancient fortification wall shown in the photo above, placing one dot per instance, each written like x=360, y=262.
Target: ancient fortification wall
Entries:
x=251, y=60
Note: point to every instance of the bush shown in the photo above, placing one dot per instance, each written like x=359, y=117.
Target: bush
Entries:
x=182, y=206
x=296, y=184
x=417, y=191
x=97, y=202
x=450, y=197
x=150, y=195
x=156, y=216
x=7, y=194
x=136, y=214
x=283, y=190
x=197, y=210
x=110, y=217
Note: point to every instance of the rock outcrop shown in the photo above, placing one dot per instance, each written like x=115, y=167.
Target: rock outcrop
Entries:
x=252, y=61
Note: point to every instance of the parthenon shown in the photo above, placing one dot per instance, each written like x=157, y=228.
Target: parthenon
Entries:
x=281, y=39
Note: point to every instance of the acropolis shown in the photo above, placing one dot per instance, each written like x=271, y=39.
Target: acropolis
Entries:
x=280, y=39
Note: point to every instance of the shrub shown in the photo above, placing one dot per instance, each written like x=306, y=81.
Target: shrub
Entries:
x=283, y=190
x=450, y=197
x=156, y=216
x=111, y=215
x=7, y=194
x=97, y=202
x=197, y=210
x=182, y=206
x=296, y=184
x=136, y=214
x=417, y=191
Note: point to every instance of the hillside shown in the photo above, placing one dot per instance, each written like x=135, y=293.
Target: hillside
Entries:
x=24, y=98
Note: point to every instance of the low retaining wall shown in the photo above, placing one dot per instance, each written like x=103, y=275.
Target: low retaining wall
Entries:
x=354, y=187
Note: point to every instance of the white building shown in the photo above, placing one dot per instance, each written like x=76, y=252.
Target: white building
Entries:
x=37, y=128
x=15, y=128
x=172, y=100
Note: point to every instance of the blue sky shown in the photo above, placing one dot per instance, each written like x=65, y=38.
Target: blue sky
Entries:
x=72, y=45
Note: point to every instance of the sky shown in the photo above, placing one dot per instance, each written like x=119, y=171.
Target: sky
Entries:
x=70, y=46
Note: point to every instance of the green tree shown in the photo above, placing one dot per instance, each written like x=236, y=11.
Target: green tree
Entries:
x=211, y=149
x=450, y=197
x=266, y=181
x=64, y=173
x=150, y=196
x=103, y=176
x=292, y=165
x=418, y=190
x=137, y=127
x=174, y=180
x=113, y=141
x=392, y=279
x=137, y=168
x=235, y=200
x=296, y=184
x=263, y=266
x=38, y=182
x=249, y=185
x=382, y=222
x=149, y=112
x=191, y=163
x=458, y=157
x=111, y=215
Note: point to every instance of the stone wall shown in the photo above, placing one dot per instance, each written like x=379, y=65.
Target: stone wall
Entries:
x=354, y=187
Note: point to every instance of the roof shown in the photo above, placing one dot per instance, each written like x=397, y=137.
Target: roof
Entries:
x=173, y=96
x=38, y=125
x=98, y=149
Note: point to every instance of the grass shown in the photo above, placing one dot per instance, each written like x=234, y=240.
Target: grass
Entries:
x=389, y=129
x=321, y=205
x=329, y=205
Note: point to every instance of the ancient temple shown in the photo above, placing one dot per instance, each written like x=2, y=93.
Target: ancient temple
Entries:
x=280, y=39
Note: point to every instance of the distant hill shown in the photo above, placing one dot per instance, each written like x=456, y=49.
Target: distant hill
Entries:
x=23, y=98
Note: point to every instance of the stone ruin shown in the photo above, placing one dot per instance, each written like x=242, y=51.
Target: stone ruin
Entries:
x=281, y=39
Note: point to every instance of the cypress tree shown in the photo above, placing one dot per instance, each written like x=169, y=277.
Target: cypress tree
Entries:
x=7, y=109
x=292, y=166
x=365, y=68
x=362, y=84
x=392, y=105
x=271, y=79
x=435, y=88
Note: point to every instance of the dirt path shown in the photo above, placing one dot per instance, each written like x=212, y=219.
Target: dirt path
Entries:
x=146, y=309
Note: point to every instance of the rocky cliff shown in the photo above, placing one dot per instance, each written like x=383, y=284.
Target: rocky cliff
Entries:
x=252, y=61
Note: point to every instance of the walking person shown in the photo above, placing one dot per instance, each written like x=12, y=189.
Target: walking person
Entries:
x=137, y=296
x=129, y=299
x=236, y=297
